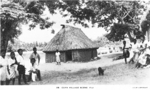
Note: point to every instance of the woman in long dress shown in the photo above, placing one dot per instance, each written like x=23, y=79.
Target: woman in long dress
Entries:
x=58, y=57
x=13, y=67
x=4, y=70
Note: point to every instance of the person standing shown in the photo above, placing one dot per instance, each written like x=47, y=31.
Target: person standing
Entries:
x=36, y=56
x=4, y=69
x=148, y=56
x=124, y=51
x=21, y=66
x=13, y=67
x=57, y=54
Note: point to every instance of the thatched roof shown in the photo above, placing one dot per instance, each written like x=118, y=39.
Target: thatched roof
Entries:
x=69, y=38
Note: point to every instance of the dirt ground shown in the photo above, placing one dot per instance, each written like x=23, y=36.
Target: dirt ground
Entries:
x=116, y=73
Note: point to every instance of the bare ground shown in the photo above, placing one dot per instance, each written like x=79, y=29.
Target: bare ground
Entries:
x=117, y=73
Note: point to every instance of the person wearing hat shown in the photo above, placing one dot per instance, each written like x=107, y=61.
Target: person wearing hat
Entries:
x=36, y=56
x=21, y=67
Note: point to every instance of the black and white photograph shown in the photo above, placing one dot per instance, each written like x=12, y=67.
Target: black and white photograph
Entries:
x=75, y=44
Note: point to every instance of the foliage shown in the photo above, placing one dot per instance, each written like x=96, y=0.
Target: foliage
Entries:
x=15, y=12
x=145, y=25
x=121, y=15
x=103, y=41
x=26, y=46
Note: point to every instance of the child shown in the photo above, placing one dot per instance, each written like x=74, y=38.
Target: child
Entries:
x=13, y=67
x=57, y=57
x=34, y=71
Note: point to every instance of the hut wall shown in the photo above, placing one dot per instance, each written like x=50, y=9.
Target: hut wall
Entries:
x=94, y=52
x=86, y=55
x=50, y=57
x=75, y=55
x=63, y=57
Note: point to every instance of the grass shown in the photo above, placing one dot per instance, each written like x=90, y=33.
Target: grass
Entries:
x=86, y=73
x=115, y=74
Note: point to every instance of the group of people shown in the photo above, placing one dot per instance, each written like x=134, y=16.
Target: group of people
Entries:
x=15, y=67
x=138, y=53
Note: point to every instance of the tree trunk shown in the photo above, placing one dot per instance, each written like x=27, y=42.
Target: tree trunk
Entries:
x=4, y=41
x=130, y=37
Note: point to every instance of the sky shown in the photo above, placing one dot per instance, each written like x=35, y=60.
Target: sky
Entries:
x=46, y=35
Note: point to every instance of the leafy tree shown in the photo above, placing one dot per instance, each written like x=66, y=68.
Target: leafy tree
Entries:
x=13, y=13
x=145, y=24
x=121, y=16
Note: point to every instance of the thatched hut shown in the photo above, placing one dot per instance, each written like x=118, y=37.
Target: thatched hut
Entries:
x=73, y=45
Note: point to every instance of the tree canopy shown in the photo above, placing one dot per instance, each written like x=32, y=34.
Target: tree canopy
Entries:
x=122, y=16
x=16, y=12
x=119, y=18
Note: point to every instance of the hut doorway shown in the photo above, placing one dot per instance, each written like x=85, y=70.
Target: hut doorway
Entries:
x=68, y=56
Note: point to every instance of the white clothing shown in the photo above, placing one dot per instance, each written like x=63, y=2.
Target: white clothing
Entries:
x=20, y=60
x=13, y=69
x=33, y=68
x=36, y=57
x=34, y=76
x=57, y=56
x=3, y=70
x=147, y=51
x=131, y=53
x=142, y=59
x=136, y=47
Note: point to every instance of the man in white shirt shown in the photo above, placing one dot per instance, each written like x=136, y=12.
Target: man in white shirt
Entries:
x=21, y=66
x=34, y=71
x=36, y=56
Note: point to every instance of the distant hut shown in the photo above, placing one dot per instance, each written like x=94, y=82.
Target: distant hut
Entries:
x=73, y=45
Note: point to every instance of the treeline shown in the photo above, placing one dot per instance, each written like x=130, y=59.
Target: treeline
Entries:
x=26, y=46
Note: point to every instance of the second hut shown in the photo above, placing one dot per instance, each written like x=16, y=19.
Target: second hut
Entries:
x=73, y=45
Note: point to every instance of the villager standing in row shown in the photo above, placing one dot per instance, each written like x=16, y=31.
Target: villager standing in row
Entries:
x=21, y=66
x=36, y=56
x=13, y=65
x=4, y=69
x=126, y=53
